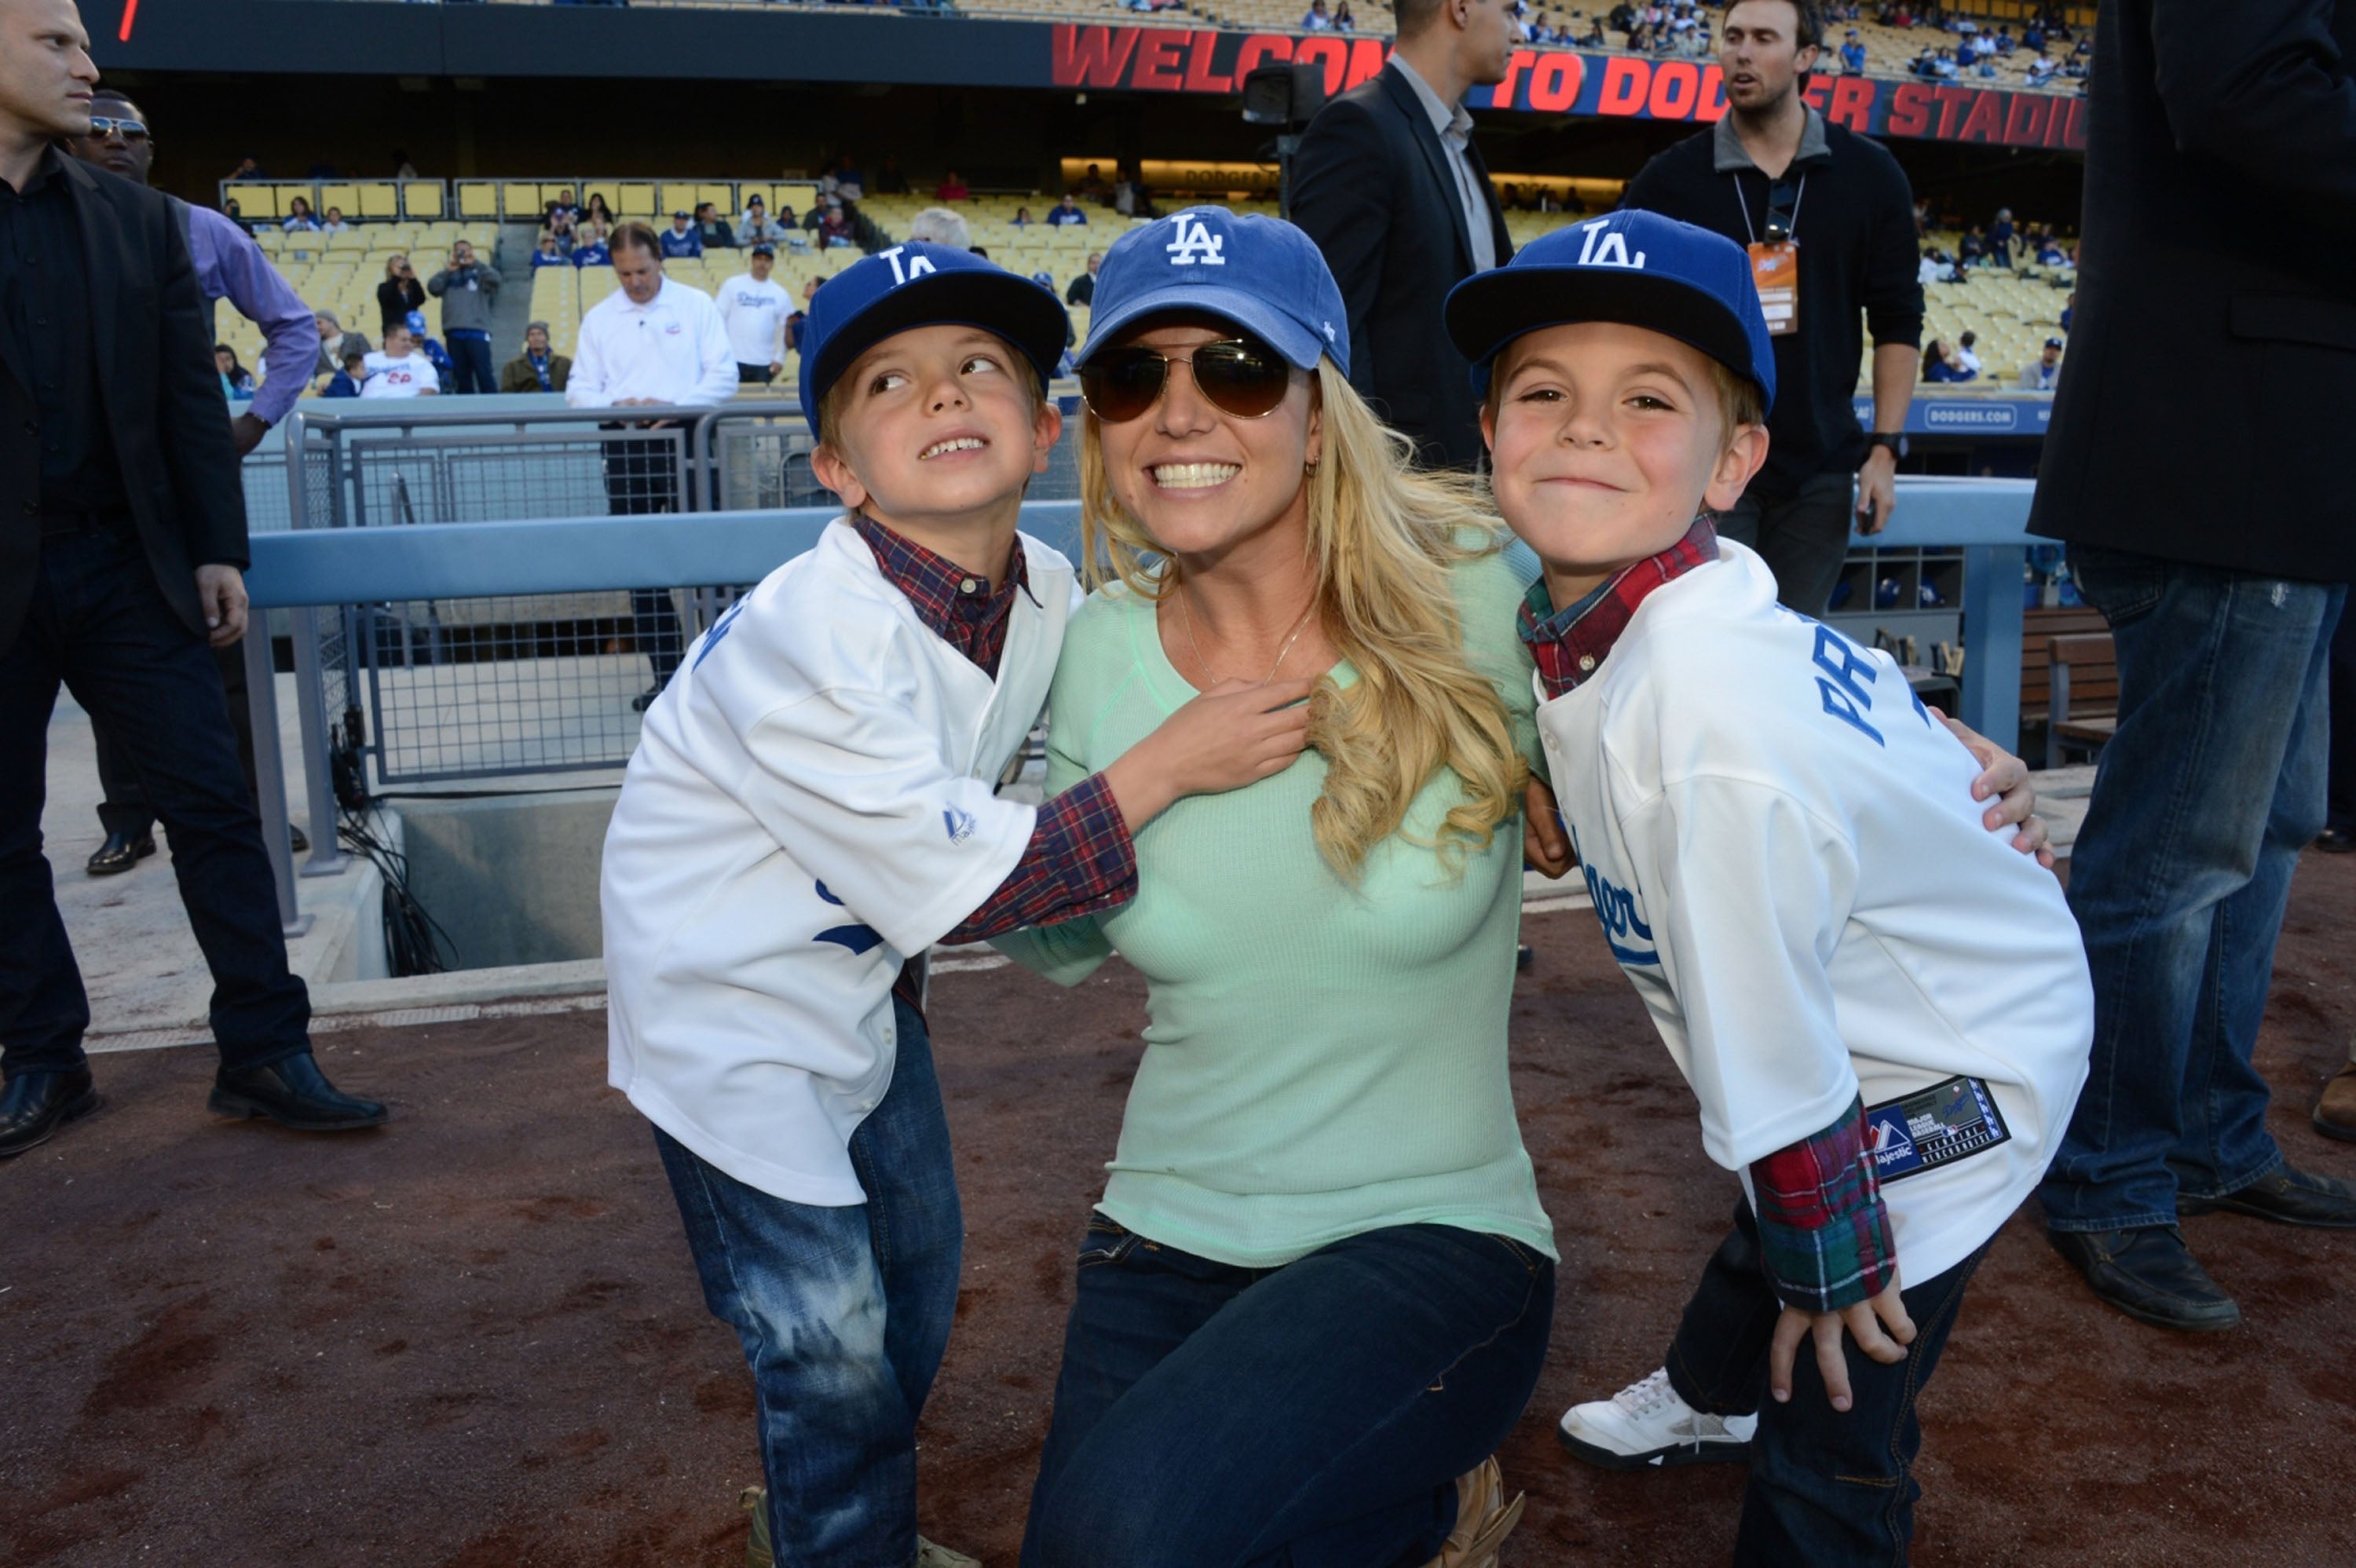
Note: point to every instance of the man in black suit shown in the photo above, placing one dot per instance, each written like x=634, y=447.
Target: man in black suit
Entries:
x=2199, y=476
x=1390, y=185
x=122, y=544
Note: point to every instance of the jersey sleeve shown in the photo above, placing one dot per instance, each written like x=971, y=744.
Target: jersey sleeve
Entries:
x=859, y=792
x=1748, y=892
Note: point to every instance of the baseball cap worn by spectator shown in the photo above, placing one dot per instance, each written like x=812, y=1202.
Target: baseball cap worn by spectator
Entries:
x=916, y=285
x=764, y=249
x=1634, y=267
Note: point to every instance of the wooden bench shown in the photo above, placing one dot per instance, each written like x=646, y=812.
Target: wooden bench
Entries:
x=2084, y=681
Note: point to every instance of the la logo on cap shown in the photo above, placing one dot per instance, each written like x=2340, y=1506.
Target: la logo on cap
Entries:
x=1196, y=242
x=916, y=268
x=1612, y=251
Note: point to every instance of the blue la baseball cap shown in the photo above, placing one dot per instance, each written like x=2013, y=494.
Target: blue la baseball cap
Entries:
x=1629, y=266
x=1261, y=273
x=918, y=284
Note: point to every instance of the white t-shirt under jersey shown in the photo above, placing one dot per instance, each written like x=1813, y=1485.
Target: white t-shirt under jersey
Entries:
x=1787, y=860
x=755, y=312
x=811, y=803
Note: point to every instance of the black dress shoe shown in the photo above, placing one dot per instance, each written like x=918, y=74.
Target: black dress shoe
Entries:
x=2336, y=840
x=2149, y=1275
x=2286, y=1197
x=296, y=841
x=119, y=853
x=293, y=1093
x=36, y=1105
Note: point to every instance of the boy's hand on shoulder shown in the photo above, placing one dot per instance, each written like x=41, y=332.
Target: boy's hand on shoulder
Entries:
x=2004, y=777
x=1235, y=734
x=1866, y=1320
x=1545, y=847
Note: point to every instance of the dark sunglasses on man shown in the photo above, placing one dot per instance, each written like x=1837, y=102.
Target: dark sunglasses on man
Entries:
x=107, y=125
x=1239, y=376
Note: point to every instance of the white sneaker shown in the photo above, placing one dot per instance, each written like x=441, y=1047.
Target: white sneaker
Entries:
x=1646, y=1424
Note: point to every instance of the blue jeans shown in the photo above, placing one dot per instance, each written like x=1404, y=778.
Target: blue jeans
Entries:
x=1209, y=1417
x=2212, y=785
x=99, y=625
x=1827, y=1488
x=470, y=364
x=844, y=1313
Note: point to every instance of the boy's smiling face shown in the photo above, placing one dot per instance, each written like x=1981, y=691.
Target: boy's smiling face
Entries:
x=938, y=429
x=1605, y=440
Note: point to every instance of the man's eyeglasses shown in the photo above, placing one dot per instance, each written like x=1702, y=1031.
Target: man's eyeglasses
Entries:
x=1237, y=376
x=129, y=130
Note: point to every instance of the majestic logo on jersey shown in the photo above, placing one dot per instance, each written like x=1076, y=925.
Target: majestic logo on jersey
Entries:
x=1616, y=909
x=1605, y=247
x=1890, y=1143
x=858, y=938
x=916, y=268
x=959, y=823
x=1195, y=243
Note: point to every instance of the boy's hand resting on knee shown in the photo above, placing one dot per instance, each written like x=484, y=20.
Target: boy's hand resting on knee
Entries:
x=1234, y=734
x=1864, y=1319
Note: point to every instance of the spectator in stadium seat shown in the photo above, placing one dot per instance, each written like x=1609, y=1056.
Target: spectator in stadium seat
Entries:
x=793, y=322
x=682, y=238
x=652, y=342
x=598, y=213
x=591, y=252
x=1852, y=54
x=941, y=226
x=1390, y=185
x=403, y=169
x=237, y=381
x=759, y=228
x=843, y=178
x=2069, y=309
x=446, y=370
x=335, y=345
x=298, y=217
x=1083, y=291
x=401, y=368
x=548, y=255
x=1966, y=353
x=1066, y=211
x=466, y=288
x=1844, y=205
x=1315, y=20
x=2043, y=374
x=539, y=368
x=565, y=207
x=2212, y=530
x=952, y=188
x=1938, y=366
x=713, y=230
x=2050, y=253
x=754, y=307
x=1342, y=21
x=834, y=224
x=399, y=293
x=1022, y=219
x=2003, y=239
x=247, y=170
x=333, y=223
x=348, y=381
x=1972, y=250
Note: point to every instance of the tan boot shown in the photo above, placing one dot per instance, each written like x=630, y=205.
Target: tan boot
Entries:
x=1483, y=1519
x=2335, y=1113
x=755, y=1500
x=933, y=1554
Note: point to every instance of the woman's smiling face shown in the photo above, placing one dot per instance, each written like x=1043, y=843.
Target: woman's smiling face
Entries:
x=1199, y=479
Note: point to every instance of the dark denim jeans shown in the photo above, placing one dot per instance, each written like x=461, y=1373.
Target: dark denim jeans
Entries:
x=2203, y=800
x=470, y=365
x=1803, y=541
x=844, y=1313
x=642, y=480
x=1827, y=1488
x=99, y=625
x=1209, y=1417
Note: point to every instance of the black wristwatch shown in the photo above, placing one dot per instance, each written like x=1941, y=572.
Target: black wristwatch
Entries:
x=1896, y=444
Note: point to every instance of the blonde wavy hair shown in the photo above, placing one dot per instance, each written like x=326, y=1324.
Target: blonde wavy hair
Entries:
x=1382, y=537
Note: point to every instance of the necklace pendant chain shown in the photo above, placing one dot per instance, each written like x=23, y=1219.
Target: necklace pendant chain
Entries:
x=1186, y=604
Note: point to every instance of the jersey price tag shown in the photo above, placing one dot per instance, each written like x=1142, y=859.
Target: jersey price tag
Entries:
x=1933, y=1127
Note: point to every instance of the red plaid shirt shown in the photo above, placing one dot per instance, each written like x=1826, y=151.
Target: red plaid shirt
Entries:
x=1080, y=859
x=1822, y=1223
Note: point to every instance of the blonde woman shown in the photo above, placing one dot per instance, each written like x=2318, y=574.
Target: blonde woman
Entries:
x=1317, y=1291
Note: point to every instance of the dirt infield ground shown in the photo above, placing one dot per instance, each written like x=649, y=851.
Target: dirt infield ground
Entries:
x=476, y=1339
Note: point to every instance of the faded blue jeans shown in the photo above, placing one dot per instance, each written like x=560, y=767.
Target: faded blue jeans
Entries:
x=1314, y=1416
x=843, y=1314
x=2202, y=802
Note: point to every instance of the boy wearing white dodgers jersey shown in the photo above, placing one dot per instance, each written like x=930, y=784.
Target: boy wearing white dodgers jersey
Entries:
x=811, y=808
x=1883, y=1012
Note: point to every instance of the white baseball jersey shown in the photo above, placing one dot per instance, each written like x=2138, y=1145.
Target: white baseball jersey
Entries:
x=412, y=376
x=1787, y=858
x=672, y=349
x=811, y=803
x=755, y=312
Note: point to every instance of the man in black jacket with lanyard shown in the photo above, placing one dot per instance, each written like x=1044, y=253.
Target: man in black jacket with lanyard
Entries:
x=122, y=542
x=1829, y=218
x=1390, y=185
x=2201, y=476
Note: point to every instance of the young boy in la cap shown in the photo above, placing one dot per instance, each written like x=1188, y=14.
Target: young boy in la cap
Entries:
x=809, y=810
x=1883, y=1012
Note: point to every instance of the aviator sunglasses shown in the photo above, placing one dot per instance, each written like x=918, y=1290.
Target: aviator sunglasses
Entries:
x=129, y=130
x=1239, y=376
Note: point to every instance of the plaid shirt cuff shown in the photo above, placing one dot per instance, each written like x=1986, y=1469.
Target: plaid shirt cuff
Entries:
x=1822, y=1223
x=1079, y=860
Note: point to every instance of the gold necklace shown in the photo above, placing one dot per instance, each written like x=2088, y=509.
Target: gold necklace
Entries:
x=1186, y=607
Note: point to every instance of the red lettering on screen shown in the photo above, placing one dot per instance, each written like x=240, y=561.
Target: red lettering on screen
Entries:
x=1333, y=52
x=2024, y=119
x=1091, y=57
x=1260, y=47
x=1554, y=85
x=1812, y=95
x=1200, y=77
x=2074, y=134
x=1952, y=101
x=1910, y=110
x=1987, y=117
x=1712, y=107
x=1625, y=83
x=1852, y=104
x=1502, y=95
x=1366, y=58
x=1159, y=59
x=1677, y=87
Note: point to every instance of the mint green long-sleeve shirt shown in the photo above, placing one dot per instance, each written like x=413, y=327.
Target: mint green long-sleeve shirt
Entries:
x=1321, y=1059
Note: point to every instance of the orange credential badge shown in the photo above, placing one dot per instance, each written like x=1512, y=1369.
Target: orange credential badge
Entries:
x=1775, y=269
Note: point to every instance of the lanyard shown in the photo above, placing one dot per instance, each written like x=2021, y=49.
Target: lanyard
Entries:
x=1792, y=230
